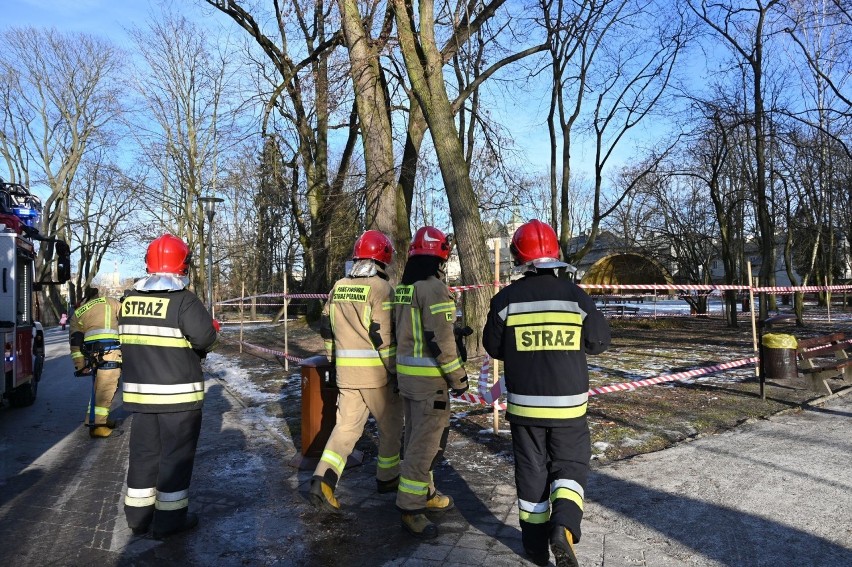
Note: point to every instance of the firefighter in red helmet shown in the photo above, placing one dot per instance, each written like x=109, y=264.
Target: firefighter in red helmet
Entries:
x=165, y=331
x=429, y=369
x=357, y=326
x=542, y=326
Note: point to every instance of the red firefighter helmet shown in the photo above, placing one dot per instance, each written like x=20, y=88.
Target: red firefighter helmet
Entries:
x=535, y=242
x=167, y=255
x=374, y=245
x=429, y=241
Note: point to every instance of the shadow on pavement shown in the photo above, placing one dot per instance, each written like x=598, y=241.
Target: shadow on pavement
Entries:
x=729, y=537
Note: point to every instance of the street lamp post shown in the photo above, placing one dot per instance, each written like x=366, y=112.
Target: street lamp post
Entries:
x=209, y=204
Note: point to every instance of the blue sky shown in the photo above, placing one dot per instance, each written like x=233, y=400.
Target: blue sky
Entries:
x=91, y=16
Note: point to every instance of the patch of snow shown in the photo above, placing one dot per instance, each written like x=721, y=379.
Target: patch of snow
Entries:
x=236, y=378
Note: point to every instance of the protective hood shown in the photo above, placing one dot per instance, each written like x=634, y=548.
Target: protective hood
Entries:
x=545, y=264
x=363, y=269
x=161, y=282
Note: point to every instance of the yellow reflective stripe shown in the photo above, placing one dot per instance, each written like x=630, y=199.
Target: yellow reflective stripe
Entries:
x=347, y=361
x=155, y=341
x=158, y=399
x=367, y=316
x=77, y=354
x=388, y=462
x=387, y=352
x=547, y=413
x=567, y=494
x=417, y=332
x=331, y=312
x=107, y=335
x=413, y=486
x=334, y=460
x=547, y=317
x=418, y=370
x=387, y=305
x=169, y=505
x=450, y=366
x=442, y=307
x=534, y=517
x=100, y=410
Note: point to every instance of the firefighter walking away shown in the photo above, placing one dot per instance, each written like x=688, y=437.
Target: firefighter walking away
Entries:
x=166, y=331
x=357, y=326
x=96, y=352
x=428, y=369
x=542, y=326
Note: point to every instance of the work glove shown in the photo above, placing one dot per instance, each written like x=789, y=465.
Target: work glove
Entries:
x=460, y=333
x=392, y=380
x=85, y=371
x=461, y=390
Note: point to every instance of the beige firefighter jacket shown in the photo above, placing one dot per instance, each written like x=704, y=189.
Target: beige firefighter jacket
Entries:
x=357, y=326
x=96, y=320
x=427, y=357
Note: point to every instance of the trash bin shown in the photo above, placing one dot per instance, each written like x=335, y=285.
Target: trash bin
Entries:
x=319, y=404
x=779, y=356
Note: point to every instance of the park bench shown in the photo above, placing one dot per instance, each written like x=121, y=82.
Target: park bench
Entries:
x=618, y=309
x=812, y=354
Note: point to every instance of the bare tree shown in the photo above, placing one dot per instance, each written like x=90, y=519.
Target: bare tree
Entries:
x=59, y=103
x=101, y=216
x=745, y=27
x=187, y=125
x=615, y=57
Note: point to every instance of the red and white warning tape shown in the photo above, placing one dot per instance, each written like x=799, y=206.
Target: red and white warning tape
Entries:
x=614, y=287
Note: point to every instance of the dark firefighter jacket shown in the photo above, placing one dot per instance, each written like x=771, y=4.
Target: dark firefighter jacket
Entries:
x=357, y=327
x=542, y=327
x=164, y=336
x=427, y=358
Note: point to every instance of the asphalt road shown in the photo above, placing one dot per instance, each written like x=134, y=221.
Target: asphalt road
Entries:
x=772, y=492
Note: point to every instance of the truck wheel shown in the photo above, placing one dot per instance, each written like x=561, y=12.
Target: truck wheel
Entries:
x=24, y=395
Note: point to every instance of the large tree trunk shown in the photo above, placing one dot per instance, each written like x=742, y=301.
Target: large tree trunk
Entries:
x=374, y=117
x=424, y=64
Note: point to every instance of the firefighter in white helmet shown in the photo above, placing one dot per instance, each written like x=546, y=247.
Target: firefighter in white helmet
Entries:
x=95, y=350
x=542, y=326
x=357, y=326
x=165, y=332
x=429, y=368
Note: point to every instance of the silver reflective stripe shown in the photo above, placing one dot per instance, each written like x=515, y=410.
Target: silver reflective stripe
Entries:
x=357, y=353
x=173, y=496
x=534, y=507
x=567, y=483
x=548, y=401
x=91, y=332
x=153, y=330
x=416, y=361
x=539, y=306
x=141, y=492
x=163, y=388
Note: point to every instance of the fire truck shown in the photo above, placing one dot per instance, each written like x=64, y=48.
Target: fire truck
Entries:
x=20, y=331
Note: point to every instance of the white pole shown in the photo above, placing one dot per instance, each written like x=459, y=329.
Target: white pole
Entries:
x=286, y=302
x=753, y=319
x=828, y=299
x=242, y=302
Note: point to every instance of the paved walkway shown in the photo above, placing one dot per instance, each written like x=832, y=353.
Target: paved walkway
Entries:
x=774, y=492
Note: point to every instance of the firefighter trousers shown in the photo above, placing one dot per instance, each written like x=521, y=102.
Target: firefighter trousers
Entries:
x=427, y=423
x=104, y=388
x=354, y=406
x=551, y=470
x=162, y=454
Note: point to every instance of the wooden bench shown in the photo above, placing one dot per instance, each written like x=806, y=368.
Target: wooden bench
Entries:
x=820, y=371
x=618, y=309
